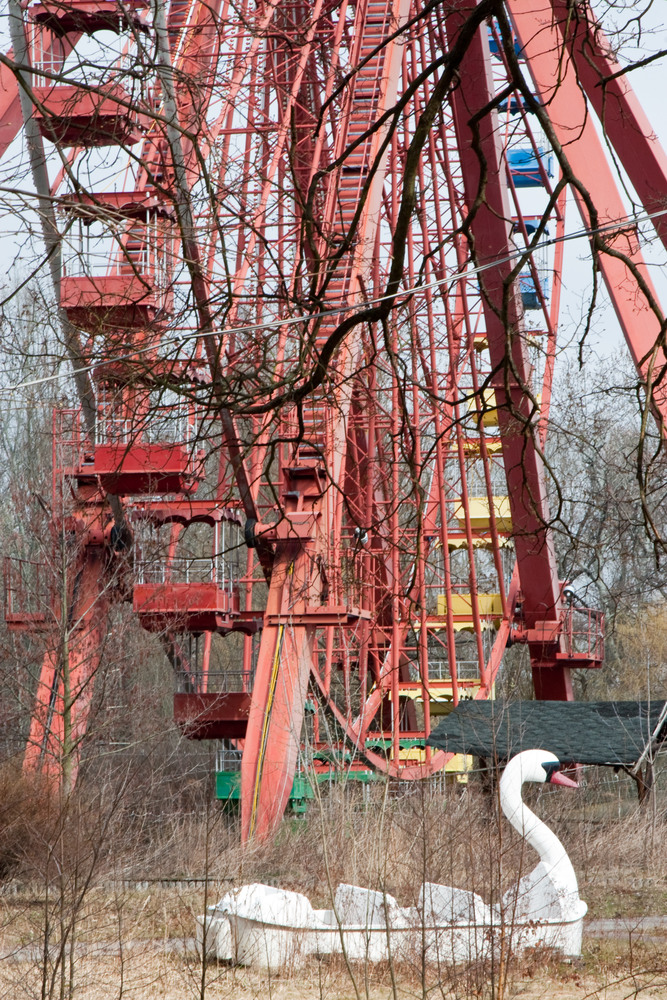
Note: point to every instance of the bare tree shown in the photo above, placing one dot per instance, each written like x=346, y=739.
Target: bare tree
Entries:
x=318, y=281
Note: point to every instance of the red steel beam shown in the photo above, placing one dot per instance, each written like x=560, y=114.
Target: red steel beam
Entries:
x=558, y=87
x=287, y=653
x=484, y=171
x=11, y=119
x=625, y=124
x=65, y=686
x=277, y=708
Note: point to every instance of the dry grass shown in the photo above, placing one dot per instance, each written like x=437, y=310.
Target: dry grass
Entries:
x=75, y=876
x=146, y=970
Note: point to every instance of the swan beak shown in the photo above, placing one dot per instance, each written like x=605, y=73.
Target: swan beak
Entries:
x=558, y=778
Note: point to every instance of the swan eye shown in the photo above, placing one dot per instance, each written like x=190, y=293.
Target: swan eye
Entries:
x=551, y=767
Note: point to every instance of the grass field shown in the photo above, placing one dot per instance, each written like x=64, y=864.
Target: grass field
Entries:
x=79, y=921
x=611, y=968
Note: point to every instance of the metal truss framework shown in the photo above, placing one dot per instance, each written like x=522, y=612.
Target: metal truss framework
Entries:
x=305, y=267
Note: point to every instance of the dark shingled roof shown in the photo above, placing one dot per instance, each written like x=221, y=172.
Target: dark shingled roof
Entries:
x=592, y=732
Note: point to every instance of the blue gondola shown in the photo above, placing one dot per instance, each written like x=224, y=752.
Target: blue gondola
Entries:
x=514, y=104
x=495, y=50
x=528, y=290
x=531, y=223
x=525, y=168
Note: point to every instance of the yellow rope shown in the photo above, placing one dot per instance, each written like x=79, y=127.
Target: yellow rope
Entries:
x=265, y=728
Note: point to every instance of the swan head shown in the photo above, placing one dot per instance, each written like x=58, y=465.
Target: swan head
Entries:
x=539, y=766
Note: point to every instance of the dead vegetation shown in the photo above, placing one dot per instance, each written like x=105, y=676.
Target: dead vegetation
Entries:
x=100, y=895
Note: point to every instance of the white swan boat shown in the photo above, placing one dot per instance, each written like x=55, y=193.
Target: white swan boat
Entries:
x=263, y=926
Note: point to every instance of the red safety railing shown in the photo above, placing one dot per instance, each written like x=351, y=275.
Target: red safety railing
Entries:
x=28, y=592
x=583, y=630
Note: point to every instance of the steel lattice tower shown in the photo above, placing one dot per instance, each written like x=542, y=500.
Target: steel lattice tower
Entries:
x=308, y=262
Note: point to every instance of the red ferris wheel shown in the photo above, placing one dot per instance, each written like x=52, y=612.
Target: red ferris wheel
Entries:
x=307, y=260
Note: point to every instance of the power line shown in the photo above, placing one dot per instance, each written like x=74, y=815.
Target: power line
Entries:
x=341, y=310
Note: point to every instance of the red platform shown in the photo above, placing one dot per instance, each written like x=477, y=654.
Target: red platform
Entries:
x=213, y=716
x=31, y=602
x=187, y=607
x=88, y=16
x=72, y=116
x=139, y=204
x=129, y=469
x=124, y=301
